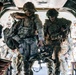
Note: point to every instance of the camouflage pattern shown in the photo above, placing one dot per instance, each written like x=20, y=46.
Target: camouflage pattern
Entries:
x=54, y=35
x=29, y=43
x=29, y=27
x=27, y=48
x=27, y=31
x=55, y=29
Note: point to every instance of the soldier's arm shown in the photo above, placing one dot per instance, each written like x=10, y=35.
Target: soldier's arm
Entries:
x=39, y=29
x=66, y=24
x=46, y=35
x=18, y=15
x=45, y=28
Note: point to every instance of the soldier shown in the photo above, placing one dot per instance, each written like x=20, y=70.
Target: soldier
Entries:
x=28, y=28
x=56, y=30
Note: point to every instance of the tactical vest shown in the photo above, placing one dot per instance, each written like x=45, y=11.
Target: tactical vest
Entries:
x=55, y=29
x=27, y=29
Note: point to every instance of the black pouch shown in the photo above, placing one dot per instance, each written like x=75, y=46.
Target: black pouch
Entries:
x=11, y=43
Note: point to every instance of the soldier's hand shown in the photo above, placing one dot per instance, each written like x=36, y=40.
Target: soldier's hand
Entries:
x=15, y=15
x=40, y=43
x=47, y=37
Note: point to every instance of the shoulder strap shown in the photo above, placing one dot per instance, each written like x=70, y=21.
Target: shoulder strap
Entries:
x=34, y=22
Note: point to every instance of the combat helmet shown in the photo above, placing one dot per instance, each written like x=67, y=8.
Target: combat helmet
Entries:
x=52, y=12
x=29, y=6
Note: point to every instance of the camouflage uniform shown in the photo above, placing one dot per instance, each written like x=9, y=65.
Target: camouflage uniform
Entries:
x=25, y=35
x=30, y=31
x=28, y=42
x=55, y=34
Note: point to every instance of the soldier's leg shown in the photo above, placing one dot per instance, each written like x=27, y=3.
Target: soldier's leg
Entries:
x=30, y=49
x=51, y=66
x=24, y=50
x=57, y=62
x=27, y=68
x=31, y=63
x=19, y=64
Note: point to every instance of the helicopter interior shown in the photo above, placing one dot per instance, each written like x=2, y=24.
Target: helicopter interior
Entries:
x=66, y=10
